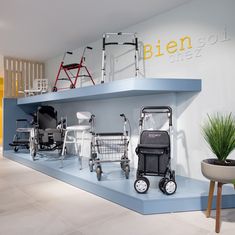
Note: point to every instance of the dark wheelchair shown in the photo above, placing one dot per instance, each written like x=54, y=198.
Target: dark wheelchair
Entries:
x=48, y=132
x=45, y=134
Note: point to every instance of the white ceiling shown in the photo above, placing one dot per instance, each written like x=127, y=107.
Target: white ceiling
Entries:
x=41, y=29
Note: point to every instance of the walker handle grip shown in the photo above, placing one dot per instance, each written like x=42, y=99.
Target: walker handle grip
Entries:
x=90, y=48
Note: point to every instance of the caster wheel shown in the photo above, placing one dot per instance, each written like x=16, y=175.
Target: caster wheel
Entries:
x=33, y=154
x=98, y=172
x=169, y=187
x=72, y=86
x=141, y=185
x=127, y=171
x=161, y=183
x=54, y=89
x=91, y=165
x=16, y=149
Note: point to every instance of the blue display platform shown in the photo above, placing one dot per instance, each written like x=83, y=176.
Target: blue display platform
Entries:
x=118, y=88
x=191, y=194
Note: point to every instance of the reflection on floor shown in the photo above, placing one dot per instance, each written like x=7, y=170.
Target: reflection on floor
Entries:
x=191, y=194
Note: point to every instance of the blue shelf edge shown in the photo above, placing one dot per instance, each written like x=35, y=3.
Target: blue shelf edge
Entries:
x=118, y=88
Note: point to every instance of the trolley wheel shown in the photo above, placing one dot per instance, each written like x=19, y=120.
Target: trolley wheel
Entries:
x=98, y=172
x=16, y=149
x=169, y=187
x=161, y=183
x=127, y=171
x=72, y=86
x=54, y=89
x=141, y=185
x=91, y=165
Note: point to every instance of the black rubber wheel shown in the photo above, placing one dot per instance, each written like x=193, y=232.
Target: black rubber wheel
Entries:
x=54, y=89
x=91, y=165
x=33, y=154
x=161, y=183
x=170, y=187
x=127, y=171
x=72, y=86
x=98, y=172
x=141, y=185
x=16, y=149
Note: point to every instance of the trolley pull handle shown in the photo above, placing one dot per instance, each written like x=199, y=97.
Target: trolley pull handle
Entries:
x=159, y=109
x=69, y=52
x=90, y=48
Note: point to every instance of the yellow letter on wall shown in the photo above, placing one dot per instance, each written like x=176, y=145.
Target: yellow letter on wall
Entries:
x=182, y=43
x=171, y=47
x=148, y=51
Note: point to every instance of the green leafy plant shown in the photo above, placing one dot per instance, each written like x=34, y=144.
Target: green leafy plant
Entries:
x=219, y=133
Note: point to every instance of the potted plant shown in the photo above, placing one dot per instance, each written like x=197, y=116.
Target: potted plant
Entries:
x=219, y=133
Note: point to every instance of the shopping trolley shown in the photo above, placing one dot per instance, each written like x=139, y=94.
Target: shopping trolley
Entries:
x=110, y=147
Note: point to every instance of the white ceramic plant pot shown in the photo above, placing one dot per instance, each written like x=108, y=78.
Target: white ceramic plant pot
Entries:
x=219, y=173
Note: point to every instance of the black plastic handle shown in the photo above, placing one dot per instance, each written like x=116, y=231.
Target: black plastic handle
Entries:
x=90, y=48
x=69, y=52
x=158, y=109
x=123, y=115
x=92, y=118
x=21, y=120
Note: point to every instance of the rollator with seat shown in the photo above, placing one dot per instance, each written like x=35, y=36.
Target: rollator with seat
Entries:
x=72, y=72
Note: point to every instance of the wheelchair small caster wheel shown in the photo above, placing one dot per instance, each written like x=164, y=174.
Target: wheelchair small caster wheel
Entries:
x=169, y=187
x=141, y=185
x=33, y=154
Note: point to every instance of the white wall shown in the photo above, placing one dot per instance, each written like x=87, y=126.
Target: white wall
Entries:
x=211, y=26
x=1, y=66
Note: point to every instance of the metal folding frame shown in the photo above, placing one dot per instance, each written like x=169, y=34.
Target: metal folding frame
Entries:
x=134, y=43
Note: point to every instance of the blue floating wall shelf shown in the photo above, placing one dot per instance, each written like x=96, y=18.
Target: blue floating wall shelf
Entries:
x=118, y=88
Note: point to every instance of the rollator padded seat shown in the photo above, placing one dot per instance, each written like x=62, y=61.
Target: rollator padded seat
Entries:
x=71, y=66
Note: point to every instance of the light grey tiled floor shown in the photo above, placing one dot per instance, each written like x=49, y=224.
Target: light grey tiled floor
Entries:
x=33, y=203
